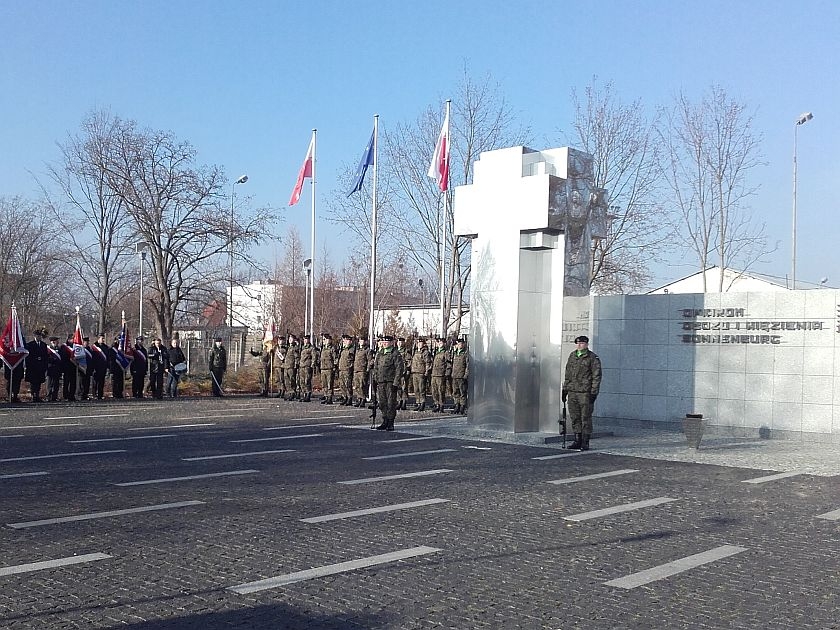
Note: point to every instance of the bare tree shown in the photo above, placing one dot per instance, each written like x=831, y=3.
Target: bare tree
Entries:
x=481, y=121
x=29, y=262
x=181, y=214
x=625, y=148
x=711, y=151
x=94, y=220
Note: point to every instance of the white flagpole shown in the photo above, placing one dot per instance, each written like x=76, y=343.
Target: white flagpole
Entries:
x=443, y=230
x=373, y=235
x=312, y=244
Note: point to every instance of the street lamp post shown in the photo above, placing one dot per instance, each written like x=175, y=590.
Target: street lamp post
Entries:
x=140, y=248
x=241, y=180
x=799, y=121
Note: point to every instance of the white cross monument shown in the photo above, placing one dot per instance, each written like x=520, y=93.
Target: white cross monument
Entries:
x=532, y=216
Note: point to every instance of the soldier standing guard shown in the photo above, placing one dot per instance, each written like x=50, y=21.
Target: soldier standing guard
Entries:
x=460, y=374
x=581, y=384
x=265, y=355
x=280, y=362
x=361, y=369
x=291, y=363
x=346, y=358
x=421, y=366
x=307, y=361
x=36, y=364
x=388, y=370
x=440, y=370
x=54, y=369
x=402, y=392
x=327, y=370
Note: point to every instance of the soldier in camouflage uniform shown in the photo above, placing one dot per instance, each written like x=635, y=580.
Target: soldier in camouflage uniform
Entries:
x=307, y=361
x=346, y=359
x=421, y=366
x=290, y=368
x=266, y=362
x=460, y=374
x=441, y=369
x=388, y=370
x=361, y=371
x=402, y=391
x=327, y=364
x=279, y=363
x=581, y=385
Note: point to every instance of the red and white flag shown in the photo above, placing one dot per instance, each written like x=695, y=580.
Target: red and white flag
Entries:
x=270, y=338
x=80, y=353
x=439, y=168
x=12, y=347
x=305, y=171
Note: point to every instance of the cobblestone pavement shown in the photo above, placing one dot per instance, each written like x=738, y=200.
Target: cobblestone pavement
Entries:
x=486, y=542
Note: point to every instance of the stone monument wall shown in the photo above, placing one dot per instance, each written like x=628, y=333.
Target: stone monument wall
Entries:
x=749, y=362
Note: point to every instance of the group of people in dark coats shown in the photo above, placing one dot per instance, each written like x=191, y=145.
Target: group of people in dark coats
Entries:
x=56, y=366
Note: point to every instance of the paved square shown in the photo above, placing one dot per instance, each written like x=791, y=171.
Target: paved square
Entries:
x=352, y=528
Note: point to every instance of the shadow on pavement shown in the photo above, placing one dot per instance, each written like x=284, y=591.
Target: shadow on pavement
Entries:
x=263, y=617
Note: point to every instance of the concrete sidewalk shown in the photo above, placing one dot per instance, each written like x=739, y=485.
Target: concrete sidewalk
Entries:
x=754, y=453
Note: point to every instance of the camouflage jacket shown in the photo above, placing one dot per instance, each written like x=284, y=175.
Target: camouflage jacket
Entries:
x=460, y=364
x=583, y=373
x=307, y=356
x=389, y=366
x=421, y=362
x=441, y=365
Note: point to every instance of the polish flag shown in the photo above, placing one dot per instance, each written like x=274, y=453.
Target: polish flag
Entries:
x=305, y=171
x=270, y=338
x=12, y=348
x=439, y=168
x=80, y=353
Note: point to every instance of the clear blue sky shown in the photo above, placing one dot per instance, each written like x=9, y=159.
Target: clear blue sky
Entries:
x=246, y=82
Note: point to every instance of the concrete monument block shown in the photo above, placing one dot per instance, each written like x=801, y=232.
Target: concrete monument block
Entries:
x=758, y=413
x=788, y=360
x=787, y=388
x=819, y=361
x=759, y=387
x=655, y=408
x=657, y=307
x=732, y=386
x=816, y=417
x=818, y=390
x=733, y=360
x=759, y=359
x=787, y=416
x=732, y=412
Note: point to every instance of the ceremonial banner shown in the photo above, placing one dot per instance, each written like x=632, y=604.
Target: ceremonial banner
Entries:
x=12, y=348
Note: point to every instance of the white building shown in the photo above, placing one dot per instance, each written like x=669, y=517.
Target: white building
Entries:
x=733, y=282
x=423, y=319
x=254, y=303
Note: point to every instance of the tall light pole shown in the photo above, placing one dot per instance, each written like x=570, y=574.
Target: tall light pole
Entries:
x=241, y=180
x=140, y=248
x=799, y=121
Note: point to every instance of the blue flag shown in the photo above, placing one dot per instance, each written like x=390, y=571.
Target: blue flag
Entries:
x=367, y=160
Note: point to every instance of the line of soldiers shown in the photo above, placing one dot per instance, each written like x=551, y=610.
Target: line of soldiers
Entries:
x=441, y=371
x=55, y=365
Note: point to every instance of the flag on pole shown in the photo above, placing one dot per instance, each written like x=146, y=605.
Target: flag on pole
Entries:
x=439, y=168
x=270, y=338
x=305, y=171
x=12, y=348
x=80, y=354
x=124, y=353
x=367, y=160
